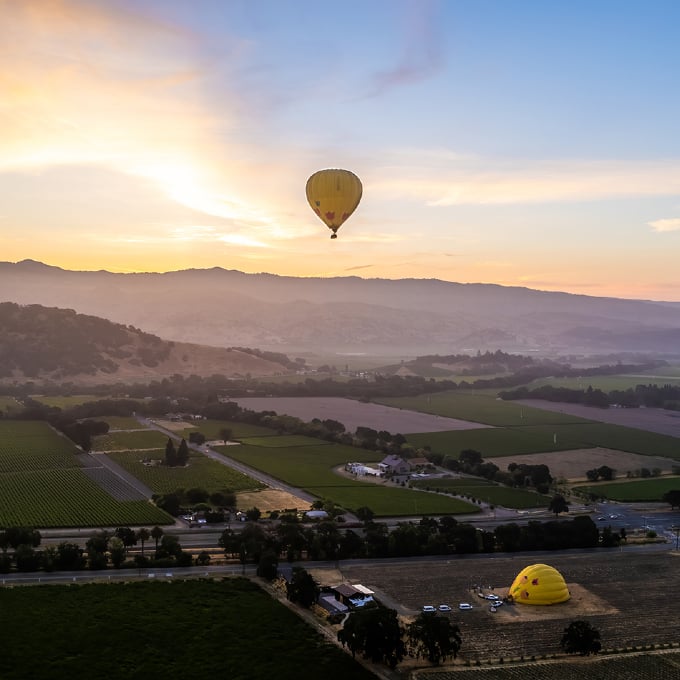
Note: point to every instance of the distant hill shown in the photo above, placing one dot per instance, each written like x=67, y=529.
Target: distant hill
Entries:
x=221, y=307
x=42, y=343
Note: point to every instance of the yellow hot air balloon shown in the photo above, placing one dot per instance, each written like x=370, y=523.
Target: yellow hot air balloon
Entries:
x=333, y=196
x=539, y=584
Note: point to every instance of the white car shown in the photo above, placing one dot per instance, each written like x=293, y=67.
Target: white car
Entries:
x=464, y=606
x=492, y=597
x=444, y=608
x=429, y=609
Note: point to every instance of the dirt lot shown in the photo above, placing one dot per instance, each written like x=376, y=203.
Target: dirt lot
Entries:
x=572, y=465
x=353, y=414
x=270, y=499
x=628, y=596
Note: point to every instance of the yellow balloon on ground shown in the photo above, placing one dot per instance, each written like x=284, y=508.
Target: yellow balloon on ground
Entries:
x=333, y=196
x=539, y=584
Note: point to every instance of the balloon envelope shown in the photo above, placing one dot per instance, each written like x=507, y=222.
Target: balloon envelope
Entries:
x=333, y=195
x=539, y=584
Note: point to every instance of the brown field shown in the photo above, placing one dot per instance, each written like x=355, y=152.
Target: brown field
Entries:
x=270, y=499
x=352, y=414
x=627, y=596
x=572, y=465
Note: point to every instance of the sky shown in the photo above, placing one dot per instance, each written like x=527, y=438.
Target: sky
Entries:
x=518, y=142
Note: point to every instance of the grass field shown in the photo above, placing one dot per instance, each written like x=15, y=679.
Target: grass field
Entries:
x=635, y=490
x=490, y=442
x=158, y=630
x=479, y=408
x=486, y=491
x=311, y=468
x=122, y=423
x=64, y=401
x=607, y=383
x=202, y=472
x=9, y=405
x=281, y=441
x=211, y=429
x=127, y=440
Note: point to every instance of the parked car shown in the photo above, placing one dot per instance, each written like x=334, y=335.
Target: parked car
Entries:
x=429, y=609
x=492, y=597
x=444, y=608
x=498, y=603
x=464, y=605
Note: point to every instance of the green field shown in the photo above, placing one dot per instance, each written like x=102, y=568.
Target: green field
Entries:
x=488, y=492
x=311, y=468
x=123, y=423
x=635, y=490
x=9, y=405
x=607, y=383
x=202, y=472
x=211, y=429
x=161, y=631
x=281, y=441
x=125, y=440
x=491, y=442
x=480, y=408
x=64, y=401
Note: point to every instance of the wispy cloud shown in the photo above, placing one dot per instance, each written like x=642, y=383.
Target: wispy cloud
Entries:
x=488, y=181
x=360, y=266
x=672, y=224
x=423, y=53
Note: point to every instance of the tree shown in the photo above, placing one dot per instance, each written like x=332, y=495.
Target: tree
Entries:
x=253, y=514
x=672, y=497
x=364, y=514
x=226, y=434
x=197, y=495
x=182, y=453
x=127, y=536
x=156, y=534
x=581, y=638
x=558, y=504
x=302, y=588
x=170, y=453
x=117, y=551
x=143, y=536
x=606, y=473
x=375, y=633
x=433, y=637
x=268, y=566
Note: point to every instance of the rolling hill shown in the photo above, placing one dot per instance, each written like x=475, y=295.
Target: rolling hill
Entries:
x=42, y=343
x=220, y=307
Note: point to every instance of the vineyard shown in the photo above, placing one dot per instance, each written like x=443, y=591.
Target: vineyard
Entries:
x=46, y=482
x=119, y=440
x=27, y=446
x=68, y=498
x=627, y=596
x=658, y=666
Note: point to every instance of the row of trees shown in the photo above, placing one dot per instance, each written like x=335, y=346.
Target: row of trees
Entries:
x=327, y=540
x=102, y=550
x=651, y=396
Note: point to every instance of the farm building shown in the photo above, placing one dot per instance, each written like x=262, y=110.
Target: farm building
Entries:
x=354, y=596
x=539, y=584
x=395, y=465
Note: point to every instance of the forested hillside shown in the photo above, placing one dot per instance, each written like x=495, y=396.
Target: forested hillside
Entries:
x=43, y=343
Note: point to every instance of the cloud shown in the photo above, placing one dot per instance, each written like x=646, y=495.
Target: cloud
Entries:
x=489, y=181
x=672, y=224
x=360, y=266
x=422, y=54
x=92, y=84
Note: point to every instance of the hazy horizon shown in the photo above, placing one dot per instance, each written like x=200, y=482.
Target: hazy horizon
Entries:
x=520, y=144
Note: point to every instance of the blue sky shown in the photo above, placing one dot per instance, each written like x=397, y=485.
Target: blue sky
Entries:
x=519, y=143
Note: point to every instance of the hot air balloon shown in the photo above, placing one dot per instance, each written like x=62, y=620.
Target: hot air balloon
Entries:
x=333, y=196
x=539, y=584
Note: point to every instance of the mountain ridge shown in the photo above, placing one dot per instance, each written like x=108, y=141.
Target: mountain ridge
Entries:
x=226, y=307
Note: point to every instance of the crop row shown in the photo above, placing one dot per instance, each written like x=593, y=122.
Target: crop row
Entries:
x=29, y=445
x=633, y=667
x=65, y=498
